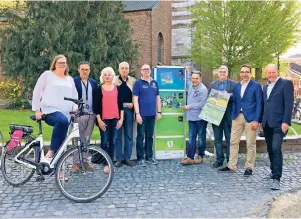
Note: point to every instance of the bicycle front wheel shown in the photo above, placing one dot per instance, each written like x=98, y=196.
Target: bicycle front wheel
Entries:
x=87, y=182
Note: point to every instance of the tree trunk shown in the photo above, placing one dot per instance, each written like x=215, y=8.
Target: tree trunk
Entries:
x=258, y=74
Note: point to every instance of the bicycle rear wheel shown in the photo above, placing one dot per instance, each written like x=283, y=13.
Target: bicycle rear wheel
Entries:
x=81, y=184
x=2, y=145
x=15, y=173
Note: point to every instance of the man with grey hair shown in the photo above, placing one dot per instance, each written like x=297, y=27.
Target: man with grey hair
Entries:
x=223, y=84
x=125, y=84
x=278, y=99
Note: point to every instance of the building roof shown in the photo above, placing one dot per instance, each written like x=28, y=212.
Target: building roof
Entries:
x=130, y=6
x=295, y=56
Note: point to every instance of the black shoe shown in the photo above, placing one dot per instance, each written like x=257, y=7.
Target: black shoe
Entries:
x=141, y=163
x=248, y=172
x=151, y=161
x=275, y=184
x=118, y=163
x=226, y=170
x=217, y=164
x=129, y=163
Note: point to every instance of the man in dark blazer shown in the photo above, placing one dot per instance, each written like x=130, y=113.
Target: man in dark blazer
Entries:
x=246, y=116
x=278, y=97
x=86, y=88
x=225, y=85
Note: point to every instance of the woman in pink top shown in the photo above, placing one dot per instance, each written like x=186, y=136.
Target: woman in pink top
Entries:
x=109, y=112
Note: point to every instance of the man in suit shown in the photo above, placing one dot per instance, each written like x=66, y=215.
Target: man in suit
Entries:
x=225, y=85
x=86, y=88
x=278, y=97
x=246, y=115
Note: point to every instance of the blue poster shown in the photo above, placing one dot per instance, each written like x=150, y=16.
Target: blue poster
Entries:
x=170, y=78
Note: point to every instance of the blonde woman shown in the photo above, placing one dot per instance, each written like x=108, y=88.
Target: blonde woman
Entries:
x=109, y=112
x=48, y=99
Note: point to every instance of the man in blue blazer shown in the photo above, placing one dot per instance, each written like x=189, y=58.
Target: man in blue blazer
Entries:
x=225, y=85
x=278, y=98
x=86, y=88
x=246, y=116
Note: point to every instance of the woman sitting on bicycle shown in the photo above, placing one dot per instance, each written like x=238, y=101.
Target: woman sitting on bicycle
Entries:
x=48, y=99
x=109, y=112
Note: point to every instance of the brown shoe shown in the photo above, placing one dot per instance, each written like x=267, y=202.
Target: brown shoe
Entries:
x=75, y=167
x=198, y=160
x=88, y=167
x=187, y=161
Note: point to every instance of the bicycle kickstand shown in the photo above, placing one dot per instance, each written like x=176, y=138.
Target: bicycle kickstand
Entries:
x=40, y=176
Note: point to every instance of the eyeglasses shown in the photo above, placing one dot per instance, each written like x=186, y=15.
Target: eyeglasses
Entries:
x=85, y=69
x=244, y=72
x=61, y=63
x=145, y=69
x=224, y=72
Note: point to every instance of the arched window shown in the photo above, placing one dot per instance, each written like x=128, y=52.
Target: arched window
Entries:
x=160, y=48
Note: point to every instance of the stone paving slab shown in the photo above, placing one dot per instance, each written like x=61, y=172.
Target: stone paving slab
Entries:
x=166, y=190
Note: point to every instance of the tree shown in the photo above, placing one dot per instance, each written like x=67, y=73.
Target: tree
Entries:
x=85, y=30
x=237, y=32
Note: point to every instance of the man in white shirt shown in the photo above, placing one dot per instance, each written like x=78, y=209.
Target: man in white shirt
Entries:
x=246, y=116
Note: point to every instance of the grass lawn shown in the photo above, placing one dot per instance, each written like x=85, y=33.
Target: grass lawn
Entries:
x=169, y=124
x=22, y=117
x=297, y=128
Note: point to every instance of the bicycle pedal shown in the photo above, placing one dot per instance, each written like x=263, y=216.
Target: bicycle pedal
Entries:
x=40, y=178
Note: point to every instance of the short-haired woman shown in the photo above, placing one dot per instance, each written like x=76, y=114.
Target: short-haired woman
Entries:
x=109, y=112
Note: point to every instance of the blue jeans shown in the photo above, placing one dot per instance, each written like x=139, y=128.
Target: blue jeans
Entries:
x=147, y=129
x=60, y=125
x=223, y=129
x=108, y=137
x=196, y=128
x=127, y=128
x=274, y=140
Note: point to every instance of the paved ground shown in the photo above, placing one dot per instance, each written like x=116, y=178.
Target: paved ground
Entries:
x=166, y=190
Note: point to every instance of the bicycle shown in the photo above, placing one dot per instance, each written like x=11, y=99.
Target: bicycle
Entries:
x=19, y=163
x=1, y=144
x=296, y=110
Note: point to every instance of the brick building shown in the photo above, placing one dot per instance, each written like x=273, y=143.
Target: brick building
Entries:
x=151, y=25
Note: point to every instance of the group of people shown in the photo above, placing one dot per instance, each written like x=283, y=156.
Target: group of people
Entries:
x=250, y=107
x=112, y=106
x=121, y=99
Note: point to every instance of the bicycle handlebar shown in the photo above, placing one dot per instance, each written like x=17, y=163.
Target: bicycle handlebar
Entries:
x=73, y=100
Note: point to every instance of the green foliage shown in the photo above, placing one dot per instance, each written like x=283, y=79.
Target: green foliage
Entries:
x=85, y=30
x=13, y=92
x=237, y=32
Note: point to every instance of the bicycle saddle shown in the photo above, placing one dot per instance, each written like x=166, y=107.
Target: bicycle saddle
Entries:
x=33, y=117
x=24, y=128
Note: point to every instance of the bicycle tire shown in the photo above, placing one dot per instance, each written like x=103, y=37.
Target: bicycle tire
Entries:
x=2, y=145
x=82, y=199
x=4, y=167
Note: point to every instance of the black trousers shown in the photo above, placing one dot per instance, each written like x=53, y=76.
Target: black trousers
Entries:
x=274, y=139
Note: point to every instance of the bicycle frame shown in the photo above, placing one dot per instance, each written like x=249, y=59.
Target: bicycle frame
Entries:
x=73, y=134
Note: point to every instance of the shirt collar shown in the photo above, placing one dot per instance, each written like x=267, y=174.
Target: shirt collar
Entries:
x=273, y=83
x=127, y=78
x=246, y=83
x=151, y=79
x=219, y=82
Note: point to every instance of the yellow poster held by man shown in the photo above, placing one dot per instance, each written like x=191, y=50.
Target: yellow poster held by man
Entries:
x=215, y=107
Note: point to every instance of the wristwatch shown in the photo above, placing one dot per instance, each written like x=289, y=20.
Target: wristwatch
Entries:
x=159, y=112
